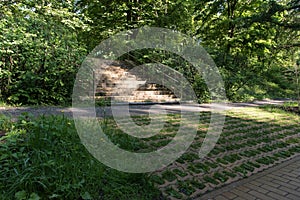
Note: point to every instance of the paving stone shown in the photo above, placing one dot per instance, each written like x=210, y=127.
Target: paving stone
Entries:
x=260, y=195
x=278, y=184
x=239, y=198
x=280, y=192
x=286, y=170
x=229, y=195
x=259, y=189
x=256, y=183
x=291, y=178
x=294, y=183
x=290, y=167
x=243, y=188
x=281, y=173
x=293, y=197
x=265, y=178
x=272, y=184
x=278, y=178
x=292, y=173
x=291, y=191
x=243, y=194
x=276, y=196
x=221, y=198
x=295, y=174
x=268, y=188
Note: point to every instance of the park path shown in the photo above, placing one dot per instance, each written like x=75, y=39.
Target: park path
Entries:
x=137, y=109
x=278, y=183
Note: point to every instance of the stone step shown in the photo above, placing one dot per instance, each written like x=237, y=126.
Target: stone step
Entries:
x=121, y=84
x=133, y=99
x=149, y=96
x=145, y=101
x=134, y=93
x=152, y=92
x=143, y=87
x=152, y=86
x=115, y=81
x=160, y=97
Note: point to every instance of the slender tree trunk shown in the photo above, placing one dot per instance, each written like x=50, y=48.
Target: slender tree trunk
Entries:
x=297, y=84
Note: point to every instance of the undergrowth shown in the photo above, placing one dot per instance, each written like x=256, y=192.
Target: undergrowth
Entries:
x=44, y=159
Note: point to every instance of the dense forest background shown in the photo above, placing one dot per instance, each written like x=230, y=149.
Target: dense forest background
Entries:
x=254, y=43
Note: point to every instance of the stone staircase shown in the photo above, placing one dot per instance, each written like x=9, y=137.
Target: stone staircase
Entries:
x=116, y=82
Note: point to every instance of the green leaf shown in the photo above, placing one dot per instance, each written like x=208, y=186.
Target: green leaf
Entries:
x=21, y=195
x=86, y=196
x=34, y=196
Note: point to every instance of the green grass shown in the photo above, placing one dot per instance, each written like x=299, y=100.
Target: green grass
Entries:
x=44, y=159
x=2, y=104
x=290, y=104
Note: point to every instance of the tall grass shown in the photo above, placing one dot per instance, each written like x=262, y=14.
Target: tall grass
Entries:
x=44, y=159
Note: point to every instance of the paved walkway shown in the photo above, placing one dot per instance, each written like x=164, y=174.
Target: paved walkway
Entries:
x=137, y=109
x=280, y=182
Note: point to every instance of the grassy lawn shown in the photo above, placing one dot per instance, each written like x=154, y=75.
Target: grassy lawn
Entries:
x=44, y=158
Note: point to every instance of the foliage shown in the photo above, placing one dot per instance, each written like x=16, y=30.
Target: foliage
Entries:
x=254, y=43
x=109, y=17
x=251, y=42
x=248, y=39
x=39, y=51
x=42, y=161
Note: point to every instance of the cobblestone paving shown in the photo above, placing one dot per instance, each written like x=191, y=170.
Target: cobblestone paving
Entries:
x=280, y=182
